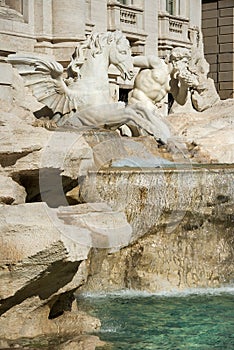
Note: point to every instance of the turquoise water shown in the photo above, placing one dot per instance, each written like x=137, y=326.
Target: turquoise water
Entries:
x=201, y=319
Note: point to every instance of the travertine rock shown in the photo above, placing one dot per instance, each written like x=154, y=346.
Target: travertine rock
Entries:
x=194, y=255
x=45, y=162
x=82, y=343
x=146, y=195
x=24, y=148
x=42, y=264
x=29, y=319
x=11, y=192
x=182, y=222
x=209, y=132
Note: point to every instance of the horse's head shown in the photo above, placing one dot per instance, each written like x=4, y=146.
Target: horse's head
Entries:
x=120, y=54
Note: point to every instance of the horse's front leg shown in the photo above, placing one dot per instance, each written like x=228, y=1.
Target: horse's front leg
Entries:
x=123, y=116
x=142, y=117
x=133, y=116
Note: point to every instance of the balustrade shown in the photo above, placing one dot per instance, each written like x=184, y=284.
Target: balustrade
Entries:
x=173, y=31
x=128, y=18
x=175, y=26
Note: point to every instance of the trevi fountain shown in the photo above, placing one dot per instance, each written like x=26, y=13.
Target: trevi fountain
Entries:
x=116, y=219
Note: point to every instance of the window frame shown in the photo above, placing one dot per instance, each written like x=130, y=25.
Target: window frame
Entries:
x=171, y=7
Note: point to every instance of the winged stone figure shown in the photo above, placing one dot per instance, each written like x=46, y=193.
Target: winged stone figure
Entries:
x=83, y=97
x=87, y=74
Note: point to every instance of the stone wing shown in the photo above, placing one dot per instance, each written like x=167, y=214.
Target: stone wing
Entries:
x=45, y=79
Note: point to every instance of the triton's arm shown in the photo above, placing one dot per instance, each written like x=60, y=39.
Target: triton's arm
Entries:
x=149, y=61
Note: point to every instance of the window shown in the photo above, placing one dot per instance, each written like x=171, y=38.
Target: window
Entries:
x=13, y=9
x=126, y=2
x=16, y=5
x=170, y=7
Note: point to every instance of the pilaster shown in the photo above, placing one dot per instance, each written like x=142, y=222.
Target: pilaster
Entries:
x=151, y=26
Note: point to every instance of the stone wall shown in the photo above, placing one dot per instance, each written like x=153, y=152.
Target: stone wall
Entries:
x=176, y=23
x=218, y=30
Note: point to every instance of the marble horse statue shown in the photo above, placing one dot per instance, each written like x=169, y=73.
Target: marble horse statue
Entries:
x=83, y=96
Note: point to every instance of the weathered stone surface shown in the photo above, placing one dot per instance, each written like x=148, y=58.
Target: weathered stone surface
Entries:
x=82, y=343
x=145, y=195
x=18, y=138
x=68, y=229
x=42, y=264
x=22, y=103
x=185, y=220
x=29, y=319
x=26, y=148
x=11, y=192
x=198, y=257
x=210, y=132
x=45, y=162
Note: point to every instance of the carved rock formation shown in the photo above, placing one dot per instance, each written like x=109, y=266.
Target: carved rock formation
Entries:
x=182, y=223
x=209, y=134
x=42, y=263
x=11, y=192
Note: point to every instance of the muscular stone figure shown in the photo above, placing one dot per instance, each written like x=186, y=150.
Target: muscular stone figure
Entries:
x=182, y=79
x=151, y=83
x=156, y=78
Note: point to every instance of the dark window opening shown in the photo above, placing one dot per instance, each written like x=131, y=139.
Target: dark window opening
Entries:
x=170, y=6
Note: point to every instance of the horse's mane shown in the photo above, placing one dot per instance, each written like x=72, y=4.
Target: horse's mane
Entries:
x=95, y=42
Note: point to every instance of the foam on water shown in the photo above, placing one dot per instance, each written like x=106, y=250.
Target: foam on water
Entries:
x=172, y=293
x=109, y=329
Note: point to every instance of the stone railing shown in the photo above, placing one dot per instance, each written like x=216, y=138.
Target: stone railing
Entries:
x=127, y=18
x=175, y=26
x=172, y=31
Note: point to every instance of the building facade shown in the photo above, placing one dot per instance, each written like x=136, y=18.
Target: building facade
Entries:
x=218, y=32
x=54, y=27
